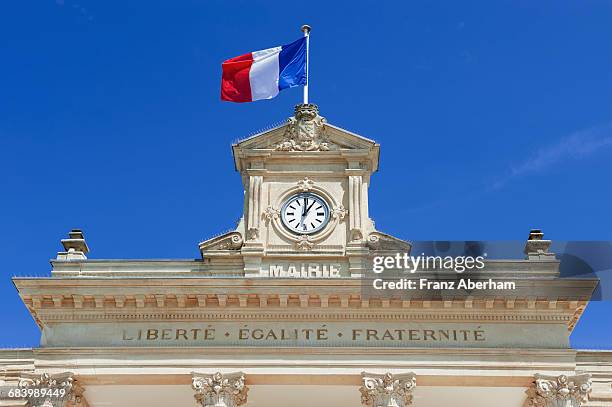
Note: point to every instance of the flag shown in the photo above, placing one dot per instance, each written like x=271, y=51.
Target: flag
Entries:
x=262, y=74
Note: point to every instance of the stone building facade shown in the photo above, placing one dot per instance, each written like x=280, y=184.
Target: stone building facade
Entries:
x=274, y=313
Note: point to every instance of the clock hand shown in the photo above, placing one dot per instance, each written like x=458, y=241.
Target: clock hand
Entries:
x=303, y=212
x=308, y=210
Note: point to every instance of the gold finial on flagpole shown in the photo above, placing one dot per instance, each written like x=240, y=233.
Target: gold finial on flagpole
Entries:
x=306, y=31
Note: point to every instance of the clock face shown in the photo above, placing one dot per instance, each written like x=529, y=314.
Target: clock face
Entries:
x=305, y=213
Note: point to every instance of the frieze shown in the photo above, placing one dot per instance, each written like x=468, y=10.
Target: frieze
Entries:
x=338, y=333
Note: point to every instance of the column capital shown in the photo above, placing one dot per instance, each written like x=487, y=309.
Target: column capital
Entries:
x=219, y=390
x=59, y=389
x=559, y=391
x=387, y=390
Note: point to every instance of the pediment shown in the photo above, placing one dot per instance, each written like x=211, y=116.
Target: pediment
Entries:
x=305, y=131
x=337, y=138
x=383, y=242
x=230, y=241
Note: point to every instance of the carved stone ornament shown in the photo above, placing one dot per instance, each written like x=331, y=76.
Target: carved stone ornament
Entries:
x=305, y=131
x=305, y=184
x=387, y=390
x=270, y=213
x=57, y=390
x=383, y=241
x=253, y=234
x=559, y=391
x=339, y=212
x=304, y=243
x=227, y=241
x=219, y=390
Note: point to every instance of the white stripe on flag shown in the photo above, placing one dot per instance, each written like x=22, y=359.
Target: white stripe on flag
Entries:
x=263, y=75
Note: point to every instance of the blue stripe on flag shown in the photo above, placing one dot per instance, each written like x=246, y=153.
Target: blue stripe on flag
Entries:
x=292, y=65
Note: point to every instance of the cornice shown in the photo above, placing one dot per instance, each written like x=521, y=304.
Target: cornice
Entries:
x=471, y=366
x=274, y=283
x=107, y=299
x=118, y=309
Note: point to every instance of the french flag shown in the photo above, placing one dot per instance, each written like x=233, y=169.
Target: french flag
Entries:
x=262, y=74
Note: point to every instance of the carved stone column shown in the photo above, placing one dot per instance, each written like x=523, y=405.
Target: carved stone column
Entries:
x=387, y=390
x=559, y=391
x=57, y=390
x=219, y=390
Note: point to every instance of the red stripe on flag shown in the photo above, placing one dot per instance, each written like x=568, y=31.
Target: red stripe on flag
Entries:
x=235, y=84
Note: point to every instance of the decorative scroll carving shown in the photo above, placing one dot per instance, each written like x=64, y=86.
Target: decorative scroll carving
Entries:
x=50, y=385
x=305, y=131
x=271, y=213
x=305, y=184
x=383, y=241
x=219, y=390
x=228, y=241
x=559, y=391
x=387, y=390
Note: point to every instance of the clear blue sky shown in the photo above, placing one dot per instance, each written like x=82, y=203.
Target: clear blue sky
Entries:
x=493, y=117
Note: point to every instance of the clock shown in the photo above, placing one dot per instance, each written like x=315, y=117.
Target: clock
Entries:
x=305, y=213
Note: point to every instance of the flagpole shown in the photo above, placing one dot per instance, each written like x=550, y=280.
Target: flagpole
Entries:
x=306, y=30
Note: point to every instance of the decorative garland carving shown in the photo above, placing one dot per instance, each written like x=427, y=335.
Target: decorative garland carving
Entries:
x=305, y=243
